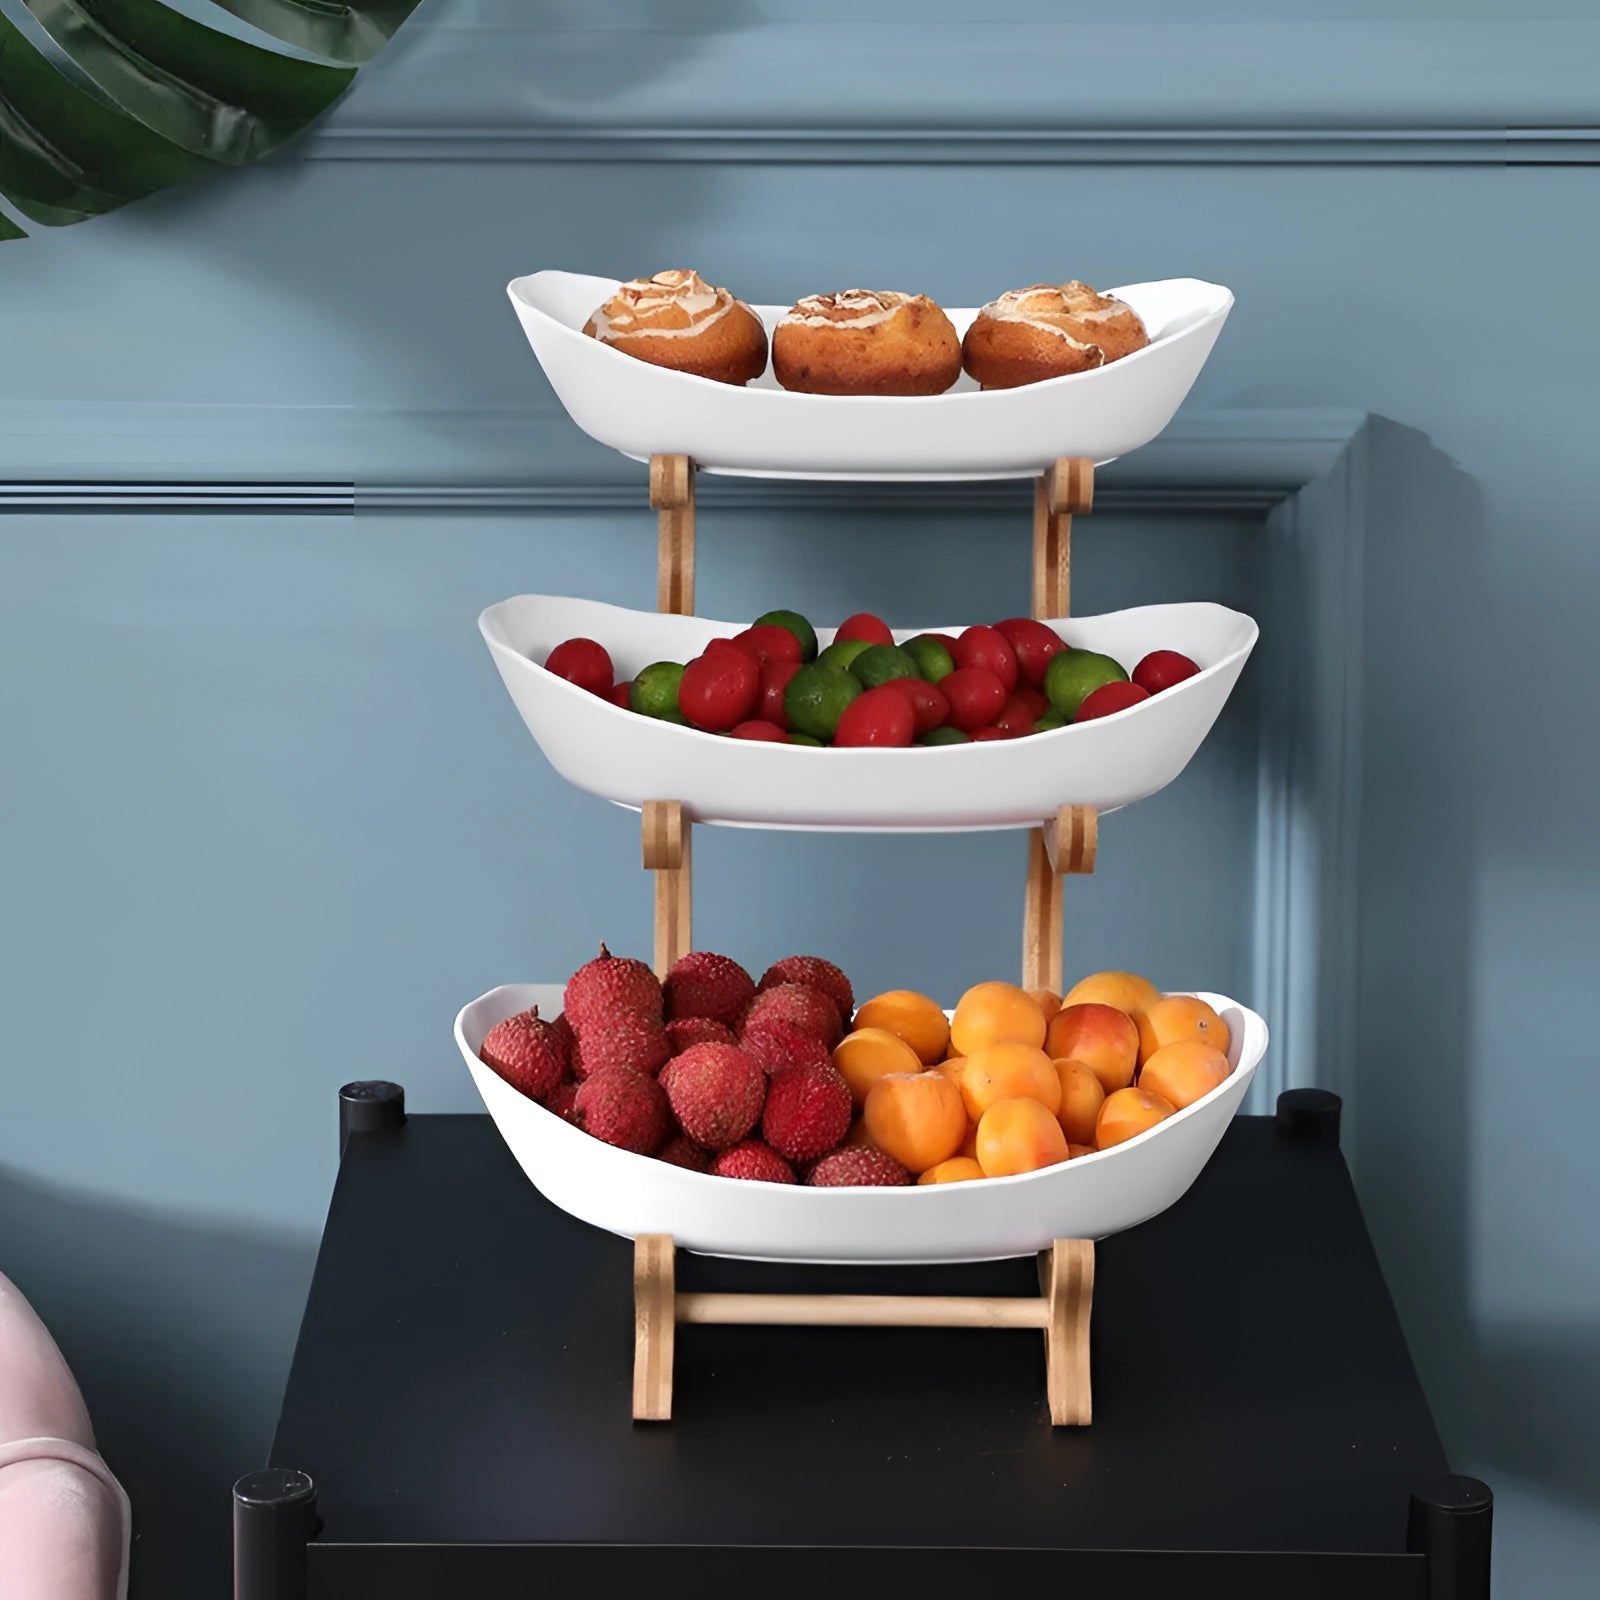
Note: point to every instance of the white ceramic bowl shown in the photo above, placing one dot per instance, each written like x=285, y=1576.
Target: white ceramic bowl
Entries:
x=1016, y=783
x=764, y=430
x=1087, y=1198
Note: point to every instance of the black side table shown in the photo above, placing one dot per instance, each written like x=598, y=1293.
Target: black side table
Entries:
x=457, y=1418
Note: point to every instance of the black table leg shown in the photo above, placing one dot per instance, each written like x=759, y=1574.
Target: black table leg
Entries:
x=274, y=1515
x=1451, y=1523
x=369, y=1105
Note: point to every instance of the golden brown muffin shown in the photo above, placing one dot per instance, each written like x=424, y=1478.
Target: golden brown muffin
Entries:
x=676, y=319
x=1046, y=331
x=866, y=341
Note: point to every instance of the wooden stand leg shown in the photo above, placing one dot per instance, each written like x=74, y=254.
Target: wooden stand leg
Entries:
x=1066, y=1274
x=654, y=1326
x=1064, y=844
x=1064, y=489
x=672, y=495
x=668, y=851
x=1060, y=1311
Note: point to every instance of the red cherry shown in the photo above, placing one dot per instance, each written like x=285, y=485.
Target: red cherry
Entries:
x=863, y=625
x=769, y=643
x=775, y=676
x=1109, y=698
x=987, y=649
x=618, y=694
x=719, y=689
x=1017, y=717
x=975, y=697
x=1033, y=700
x=983, y=735
x=878, y=717
x=928, y=703
x=767, y=732
x=1161, y=669
x=1035, y=646
x=583, y=662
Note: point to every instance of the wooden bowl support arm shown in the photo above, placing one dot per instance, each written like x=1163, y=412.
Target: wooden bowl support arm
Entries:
x=1066, y=842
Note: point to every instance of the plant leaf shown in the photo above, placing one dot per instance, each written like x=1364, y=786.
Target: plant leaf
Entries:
x=65, y=155
x=212, y=95
x=9, y=229
x=340, y=32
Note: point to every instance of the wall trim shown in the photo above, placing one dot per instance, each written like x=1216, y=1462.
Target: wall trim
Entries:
x=1487, y=146
x=126, y=456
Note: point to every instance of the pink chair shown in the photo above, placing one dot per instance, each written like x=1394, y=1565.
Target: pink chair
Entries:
x=65, y=1522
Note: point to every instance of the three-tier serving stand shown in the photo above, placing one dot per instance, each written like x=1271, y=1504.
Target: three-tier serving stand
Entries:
x=1061, y=844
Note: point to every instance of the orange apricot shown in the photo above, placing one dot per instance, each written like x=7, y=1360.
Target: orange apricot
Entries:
x=953, y=1068
x=995, y=1013
x=1047, y=1000
x=1103, y=1038
x=1018, y=1136
x=1009, y=1072
x=921, y=1022
x=1184, y=1071
x=916, y=1117
x=1076, y=1150
x=1128, y=1113
x=969, y=1145
x=1127, y=991
x=1082, y=1095
x=869, y=1054
x=1179, y=1018
x=958, y=1169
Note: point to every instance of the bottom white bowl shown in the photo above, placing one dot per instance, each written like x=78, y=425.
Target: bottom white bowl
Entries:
x=626, y=1194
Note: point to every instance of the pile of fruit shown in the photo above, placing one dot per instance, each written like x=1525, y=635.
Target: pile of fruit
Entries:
x=771, y=682
x=786, y=1080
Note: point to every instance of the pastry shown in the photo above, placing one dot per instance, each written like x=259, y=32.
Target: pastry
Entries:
x=866, y=341
x=676, y=319
x=1046, y=331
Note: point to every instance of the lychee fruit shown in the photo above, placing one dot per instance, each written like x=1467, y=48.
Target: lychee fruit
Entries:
x=778, y=1046
x=561, y=1101
x=607, y=985
x=564, y=1028
x=810, y=1010
x=807, y=1112
x=701, y=984
x=856, y=1167
x=624, y=1039
x=682, y=1151
x=624, y=1108
x=752, y=1159
x=819, y=974
x=685, y=1031
x=529, y=1053
x=716, y=1092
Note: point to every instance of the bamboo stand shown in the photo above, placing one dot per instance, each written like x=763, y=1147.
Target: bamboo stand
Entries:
x=1061, y=1311
x=1063, y=843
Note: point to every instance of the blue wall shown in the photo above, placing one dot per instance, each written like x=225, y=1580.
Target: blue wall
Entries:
x=264, y=795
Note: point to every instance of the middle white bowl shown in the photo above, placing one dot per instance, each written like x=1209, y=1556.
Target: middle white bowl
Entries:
x=1015, y=783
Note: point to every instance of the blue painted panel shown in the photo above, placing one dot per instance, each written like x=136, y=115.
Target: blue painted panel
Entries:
x=1021, y=63
x=272, y=820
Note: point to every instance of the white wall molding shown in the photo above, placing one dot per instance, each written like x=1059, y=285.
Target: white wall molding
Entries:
x=1488, y=146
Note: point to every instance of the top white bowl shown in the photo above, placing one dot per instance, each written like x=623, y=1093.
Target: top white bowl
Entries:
x=762, y=430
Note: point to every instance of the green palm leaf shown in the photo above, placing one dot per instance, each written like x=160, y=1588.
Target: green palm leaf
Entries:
x=167, y=97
